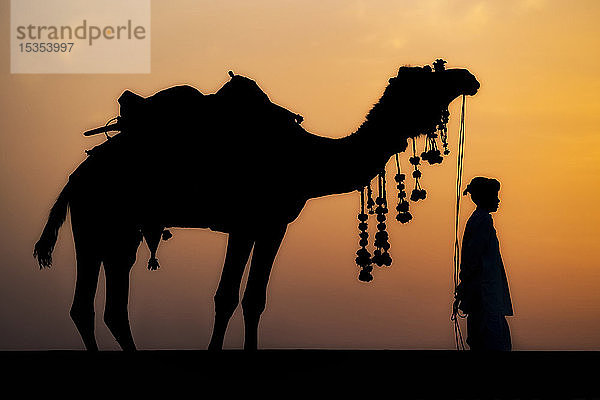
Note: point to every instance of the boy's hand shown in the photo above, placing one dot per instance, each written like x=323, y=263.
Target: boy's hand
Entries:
x=455, y=306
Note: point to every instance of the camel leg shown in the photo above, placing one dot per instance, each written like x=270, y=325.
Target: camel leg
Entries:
x=227, y=296
x=255, y=296
x=82, y=310
x=116, y=316
x=88, y=269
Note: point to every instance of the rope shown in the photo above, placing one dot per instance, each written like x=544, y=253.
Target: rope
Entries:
x=362, y=200
x=383, y=184
x=459, y=172
x=108, y=122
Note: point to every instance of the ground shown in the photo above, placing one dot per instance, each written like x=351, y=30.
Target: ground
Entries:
x=309, y=373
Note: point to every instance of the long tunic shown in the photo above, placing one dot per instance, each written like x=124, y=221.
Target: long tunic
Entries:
x=484, y=287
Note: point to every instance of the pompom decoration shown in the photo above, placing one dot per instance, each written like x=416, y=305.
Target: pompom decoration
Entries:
x=443, y=129
x=403, y=215
x=432, y=154
x=418, y=192
x=381, y=256
x=370, y=201
x=439, y=65
x=153, y=264
x=363, y=259
x=152, y=234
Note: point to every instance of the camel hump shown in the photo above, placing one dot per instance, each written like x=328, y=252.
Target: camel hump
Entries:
x=130, y=103
x=240, y=88
x=165, y=101
x=243, y=96
x=174, y=94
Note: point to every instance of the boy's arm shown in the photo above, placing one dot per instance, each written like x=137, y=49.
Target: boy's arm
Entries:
x=475, y=243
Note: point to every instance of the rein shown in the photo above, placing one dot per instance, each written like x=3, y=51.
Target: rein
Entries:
x=460, y=345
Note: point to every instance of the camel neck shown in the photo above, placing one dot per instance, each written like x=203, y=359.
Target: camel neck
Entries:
x=353, y=161
x=372, y=145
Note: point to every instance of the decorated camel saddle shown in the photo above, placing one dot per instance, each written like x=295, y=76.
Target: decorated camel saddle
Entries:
x=239, y=99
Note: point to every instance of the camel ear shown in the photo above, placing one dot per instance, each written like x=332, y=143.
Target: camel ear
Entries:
x=231, y=74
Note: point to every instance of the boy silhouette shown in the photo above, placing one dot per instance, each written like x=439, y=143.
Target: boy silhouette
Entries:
x=483, y=290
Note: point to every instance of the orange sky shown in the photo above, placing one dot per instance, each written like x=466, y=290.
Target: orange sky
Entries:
x=534, y=125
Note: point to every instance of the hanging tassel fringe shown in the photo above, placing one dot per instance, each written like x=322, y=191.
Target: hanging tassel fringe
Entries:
x=433, y=155
x=418, y=192
x=381, y=256
x=363, y=259
x=403, y=215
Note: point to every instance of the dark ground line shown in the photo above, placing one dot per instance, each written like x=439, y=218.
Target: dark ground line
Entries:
x=408, y=373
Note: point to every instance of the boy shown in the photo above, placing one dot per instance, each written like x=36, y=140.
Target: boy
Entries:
x=483, y=291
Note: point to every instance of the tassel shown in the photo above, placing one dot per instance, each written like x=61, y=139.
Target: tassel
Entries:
x=439, y=65
x=153, y=264
x=443, y=128
x=152, y=235
x=418, y=192
x=370, y=202
x=403, y=215
x=363, y=259
x=432, y=154
x=381, y=256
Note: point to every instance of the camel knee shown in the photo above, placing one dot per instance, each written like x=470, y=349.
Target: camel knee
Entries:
x=226, y=302
x=82, y=314
x=84, y=317
x=116, y=319
x=253, y=305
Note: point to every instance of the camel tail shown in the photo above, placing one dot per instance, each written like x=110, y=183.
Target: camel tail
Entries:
x=44, y=247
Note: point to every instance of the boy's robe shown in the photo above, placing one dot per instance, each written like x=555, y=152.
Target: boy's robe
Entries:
x=483, y=287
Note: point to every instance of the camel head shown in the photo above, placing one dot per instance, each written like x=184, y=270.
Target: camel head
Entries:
x=436, y=83
x=416, y=100
x=424, y=93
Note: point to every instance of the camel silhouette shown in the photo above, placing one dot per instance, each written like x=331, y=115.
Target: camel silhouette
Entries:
x=233, y=162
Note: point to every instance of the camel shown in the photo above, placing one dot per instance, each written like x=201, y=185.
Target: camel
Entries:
x=218, y=166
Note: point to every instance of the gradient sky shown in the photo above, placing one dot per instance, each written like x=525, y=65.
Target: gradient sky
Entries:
x=534, y=125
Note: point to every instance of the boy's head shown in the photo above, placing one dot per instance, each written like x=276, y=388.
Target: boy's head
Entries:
x=484, y=193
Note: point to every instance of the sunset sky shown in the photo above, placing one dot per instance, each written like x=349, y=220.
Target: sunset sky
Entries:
x=534, y=125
